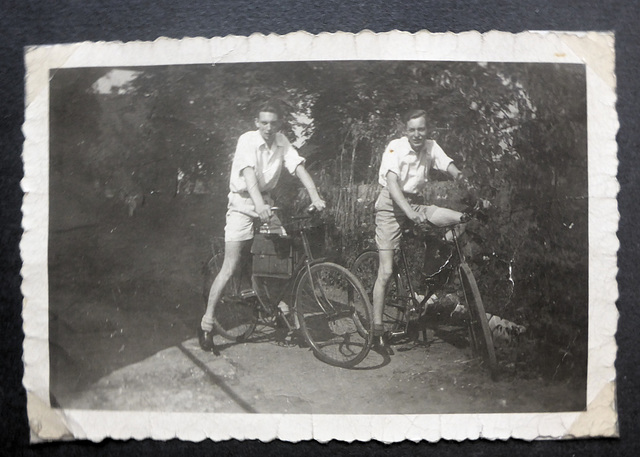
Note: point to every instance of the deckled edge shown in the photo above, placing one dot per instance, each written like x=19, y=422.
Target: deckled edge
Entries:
x=597, y=52
x=364, y=45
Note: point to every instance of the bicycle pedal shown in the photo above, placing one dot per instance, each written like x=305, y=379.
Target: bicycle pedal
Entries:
x=248, y=293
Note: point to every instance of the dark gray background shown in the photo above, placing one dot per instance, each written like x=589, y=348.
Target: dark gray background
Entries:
x=24, y=22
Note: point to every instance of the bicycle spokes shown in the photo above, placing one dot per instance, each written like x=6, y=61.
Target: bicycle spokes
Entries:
x=334, y=314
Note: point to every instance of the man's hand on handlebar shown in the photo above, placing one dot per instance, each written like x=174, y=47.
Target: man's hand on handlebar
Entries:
x=318, y=204
x=264, y=212
x=476, y=210
x=417, y=217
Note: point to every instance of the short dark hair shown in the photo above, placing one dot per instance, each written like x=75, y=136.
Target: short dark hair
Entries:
x=269, y=107
x=415, y=114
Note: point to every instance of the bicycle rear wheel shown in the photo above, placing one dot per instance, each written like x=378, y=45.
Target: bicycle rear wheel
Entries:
x=235, y=317
x=365, y=268
x=479, y=331
x=334, y=314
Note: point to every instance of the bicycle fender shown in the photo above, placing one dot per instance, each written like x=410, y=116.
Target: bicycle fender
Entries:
x=304, y=269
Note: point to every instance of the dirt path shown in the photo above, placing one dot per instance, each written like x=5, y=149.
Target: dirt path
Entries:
x=125, y=299
x=262, y=377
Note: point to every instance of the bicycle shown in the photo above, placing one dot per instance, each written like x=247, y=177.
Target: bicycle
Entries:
x=448, y=265
x=330, y=307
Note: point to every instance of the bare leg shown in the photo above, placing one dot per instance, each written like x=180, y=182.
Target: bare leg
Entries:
x=385, y=270
x=232, y=257
x=441, y=217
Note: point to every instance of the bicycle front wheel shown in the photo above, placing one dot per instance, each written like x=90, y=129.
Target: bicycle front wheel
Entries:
x=334, y=314
x=235, y=318
x=396, y=297
x=479, y=331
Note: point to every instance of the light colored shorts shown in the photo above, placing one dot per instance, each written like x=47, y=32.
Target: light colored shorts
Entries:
x=390, y=219
x=241, y=214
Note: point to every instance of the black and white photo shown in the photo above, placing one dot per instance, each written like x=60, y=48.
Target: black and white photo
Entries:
x=420, y=238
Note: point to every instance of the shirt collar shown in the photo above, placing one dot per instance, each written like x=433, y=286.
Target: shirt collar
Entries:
x=277, y=140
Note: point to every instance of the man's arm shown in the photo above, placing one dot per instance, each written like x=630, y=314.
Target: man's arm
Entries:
x=307, y=181
x=454, y=172
x=444, y=163
x=398, y=196
x=263, y=211
x=457, y=175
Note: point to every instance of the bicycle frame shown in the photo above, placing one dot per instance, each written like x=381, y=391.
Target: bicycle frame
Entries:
x=304, y=263
x=451, y=263
x=437, y=276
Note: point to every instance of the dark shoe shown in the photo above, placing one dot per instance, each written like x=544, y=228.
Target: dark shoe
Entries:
x=206, y=341
x=381, y=345
x=299, y=339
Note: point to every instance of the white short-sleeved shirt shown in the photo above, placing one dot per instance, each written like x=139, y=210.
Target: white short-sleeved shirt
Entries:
x=252, y=151
x=411, y=167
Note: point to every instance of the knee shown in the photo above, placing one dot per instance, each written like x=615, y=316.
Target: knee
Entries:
x=226, y=271
x=384, y=273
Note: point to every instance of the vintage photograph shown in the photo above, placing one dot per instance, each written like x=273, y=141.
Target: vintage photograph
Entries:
x=319, y=237
x=148, y=179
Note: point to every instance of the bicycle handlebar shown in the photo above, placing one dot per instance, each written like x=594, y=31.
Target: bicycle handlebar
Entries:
x=311, y=211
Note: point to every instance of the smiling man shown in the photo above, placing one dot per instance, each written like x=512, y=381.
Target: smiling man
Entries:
x=404, y=175
x=258, y=161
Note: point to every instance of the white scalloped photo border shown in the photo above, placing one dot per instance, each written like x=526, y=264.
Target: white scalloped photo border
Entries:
x=594, y=49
